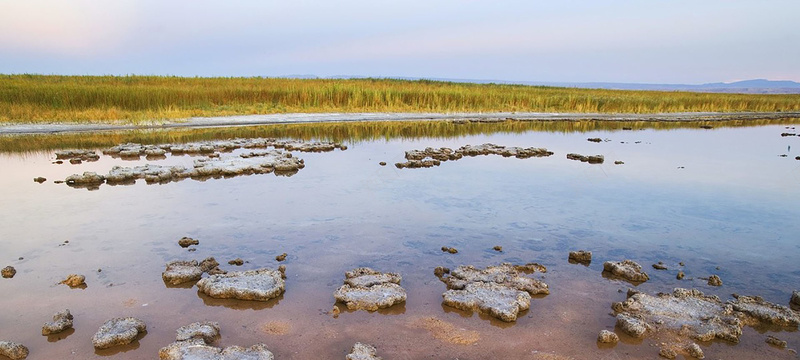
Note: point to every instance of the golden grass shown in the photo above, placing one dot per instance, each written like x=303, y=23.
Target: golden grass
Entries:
x=350, y=132
x=45, y=98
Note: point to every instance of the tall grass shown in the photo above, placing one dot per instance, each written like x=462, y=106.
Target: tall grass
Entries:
x=350, y=132
x=41, y=98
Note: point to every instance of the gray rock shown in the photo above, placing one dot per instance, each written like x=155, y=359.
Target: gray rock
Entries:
x=591, y=159
x=85, y=155
x=197, y=349
x=12, y=350
x=363, y=351
x=206, y=330
x=181, y=271
x=87, y=178
x=118, y=331
x=501, y=291
x=757, y=311
x=8, y=272
x=795, y=298
x=494, y=299
x=626, y=269
x=607, y=337
x=367, y=289
x=434, y=157
x=684, y=313
x=61, y=321
x=258, y=285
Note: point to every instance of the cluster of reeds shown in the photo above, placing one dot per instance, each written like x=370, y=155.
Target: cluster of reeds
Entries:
x=43, y=98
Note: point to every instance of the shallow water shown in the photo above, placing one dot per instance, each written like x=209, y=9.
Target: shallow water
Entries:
x=720, y=198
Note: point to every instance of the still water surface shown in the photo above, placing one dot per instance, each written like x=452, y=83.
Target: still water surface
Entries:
x=720, y=198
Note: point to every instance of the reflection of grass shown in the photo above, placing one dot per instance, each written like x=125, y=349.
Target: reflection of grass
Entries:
x=346, y=132
x=37, y=98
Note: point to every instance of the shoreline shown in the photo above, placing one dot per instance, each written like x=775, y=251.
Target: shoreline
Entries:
x=299, y=118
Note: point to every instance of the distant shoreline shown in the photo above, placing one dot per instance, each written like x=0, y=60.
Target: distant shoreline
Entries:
x=299, y=118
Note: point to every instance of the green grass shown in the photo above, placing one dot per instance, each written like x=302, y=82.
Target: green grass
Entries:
x=43, y=98
x=351, y=132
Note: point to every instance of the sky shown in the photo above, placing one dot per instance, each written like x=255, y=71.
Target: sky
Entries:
x=634, y=41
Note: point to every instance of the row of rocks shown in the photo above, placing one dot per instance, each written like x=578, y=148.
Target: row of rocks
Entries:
x=79, y=155
x=430, y=157
x=272, y=161
x=129, y=150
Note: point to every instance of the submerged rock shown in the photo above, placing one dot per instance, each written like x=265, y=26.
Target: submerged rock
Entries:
x=626, y=269
x=659, y=266
x=591, y=159
x=607, y=337
x=500, y=291
x=187, y=241
x=258, y=285
x=776, y=342
x=237, y=262
x=684, y=313
x=8, y=272
x=197, y=349
x=580, y=256
x=12, y=350
x=281, y=257
x=181, y=271
x=367, y=289
x=363, y=351
x=680, y=275
x=208, y=331
x=755, y=310
x=118, y=331
x=74, y=280
x=62, y=320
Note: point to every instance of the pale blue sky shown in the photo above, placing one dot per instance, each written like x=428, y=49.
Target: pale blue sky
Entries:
x=645, y=41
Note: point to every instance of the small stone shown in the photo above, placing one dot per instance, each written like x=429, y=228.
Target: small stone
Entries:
x=237, y=262
x=187, y=241
x=61, y=321
x=695, y=351
x=580, y=256
x=74, y=280
x=776, y=342
x=39, y=179
x=12, y=350
x=607, y=337
x=618, y=162
x=714, y=280
x=659, y=266
x=382, y=163
x=498, y=248
x=335, y=311
x=58, y=181
x=282, y=270
x=362, y=351
x=8, y=272
x=680, y=275
x=206, y=330
x=281, y=257
x=597, y=140
x=452, y=250
x=681, y=263
x=439, y=271
x=75, y=161
x=118, y=331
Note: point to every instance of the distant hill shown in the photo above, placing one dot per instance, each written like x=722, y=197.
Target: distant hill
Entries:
x=756, y=86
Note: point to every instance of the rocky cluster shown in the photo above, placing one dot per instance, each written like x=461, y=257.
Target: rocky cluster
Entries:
x=434, y=157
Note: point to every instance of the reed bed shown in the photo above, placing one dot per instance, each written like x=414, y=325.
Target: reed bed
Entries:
x=350, y=132
x=139, y=99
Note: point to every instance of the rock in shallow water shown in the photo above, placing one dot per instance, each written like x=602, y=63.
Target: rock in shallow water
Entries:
x=8, y=272
x=361, y=351
x=258, y=285
x=607, y=337
x=759, y=311
x=626, y=269
x=367, y=289
x=500, y=291
x=187, y=241
x=181, y=271
x=61, y=321
x=208, y=331
x=118, y=331
x=12, y=350
x=197, y=349
x=74, y=280
x=580, y=256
